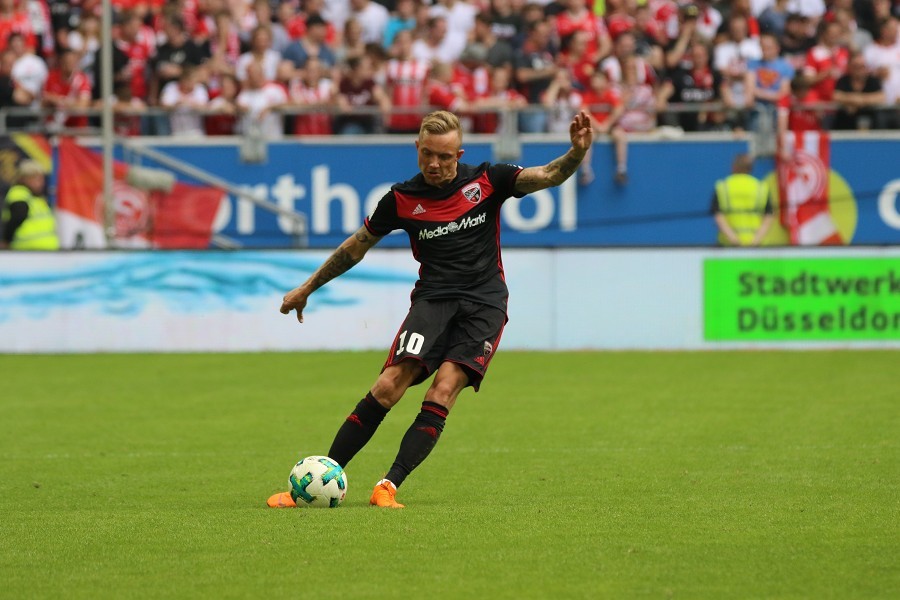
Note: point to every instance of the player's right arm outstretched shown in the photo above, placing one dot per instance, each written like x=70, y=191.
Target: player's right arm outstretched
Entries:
x=350, y=252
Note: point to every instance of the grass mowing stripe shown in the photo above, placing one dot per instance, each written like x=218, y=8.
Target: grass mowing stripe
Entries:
x=701, y=475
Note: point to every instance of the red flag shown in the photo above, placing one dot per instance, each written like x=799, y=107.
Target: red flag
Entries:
x=182, y=218
x=803, y=188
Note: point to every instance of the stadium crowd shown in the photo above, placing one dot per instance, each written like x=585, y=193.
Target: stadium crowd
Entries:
x=314, y=67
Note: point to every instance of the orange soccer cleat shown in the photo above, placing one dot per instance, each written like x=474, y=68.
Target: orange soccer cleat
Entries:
x=281, y=500
x=383, y=495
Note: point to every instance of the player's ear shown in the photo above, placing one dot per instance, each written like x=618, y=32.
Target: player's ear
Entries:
x=459, y=154
x=417, y=144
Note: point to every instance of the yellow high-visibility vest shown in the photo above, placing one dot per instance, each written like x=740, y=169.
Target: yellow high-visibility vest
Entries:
x=38, y=231
x=742, y=200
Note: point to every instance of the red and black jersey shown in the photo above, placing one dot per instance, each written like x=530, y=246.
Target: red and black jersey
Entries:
x=454, y=231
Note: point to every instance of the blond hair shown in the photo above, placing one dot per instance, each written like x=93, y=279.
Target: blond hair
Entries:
x=440, y=122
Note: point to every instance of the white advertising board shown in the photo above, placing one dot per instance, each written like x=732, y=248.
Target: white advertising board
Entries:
x=228, y=301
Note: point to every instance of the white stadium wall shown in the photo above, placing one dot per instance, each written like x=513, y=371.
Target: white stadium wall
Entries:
x=559, y=300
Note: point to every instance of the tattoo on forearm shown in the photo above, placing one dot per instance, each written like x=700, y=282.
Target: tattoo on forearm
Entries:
x=362, y=236
x=563, y=167
x=554, y=173
x=337, y=264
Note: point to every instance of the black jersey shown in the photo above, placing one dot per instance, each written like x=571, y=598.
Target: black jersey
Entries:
x=454, y=231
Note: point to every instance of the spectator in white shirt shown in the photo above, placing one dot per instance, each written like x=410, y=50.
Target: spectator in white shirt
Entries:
x=730, y=59
x=811, y=9
x=436, y=46
x=460, y=16
x=261, y=53
x=29, y=72
x=184, y=97
x=373, y=17
x=260, y=101
x=883, y=58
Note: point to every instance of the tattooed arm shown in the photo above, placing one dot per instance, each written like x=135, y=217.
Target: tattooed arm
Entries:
x=556, y=171
x=342, y=260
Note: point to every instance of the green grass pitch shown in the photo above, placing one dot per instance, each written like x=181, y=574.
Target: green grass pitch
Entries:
x=571, y=475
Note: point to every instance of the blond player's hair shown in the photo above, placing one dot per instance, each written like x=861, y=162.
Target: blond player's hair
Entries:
x=440, y=122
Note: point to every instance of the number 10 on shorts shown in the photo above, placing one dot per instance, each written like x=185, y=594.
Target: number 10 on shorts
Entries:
x=413, y=346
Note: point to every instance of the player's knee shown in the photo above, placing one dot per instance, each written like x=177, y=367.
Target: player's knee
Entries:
x=392, y=384
x=444, y=390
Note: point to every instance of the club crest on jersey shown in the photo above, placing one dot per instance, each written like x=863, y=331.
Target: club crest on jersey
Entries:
x=472, y=193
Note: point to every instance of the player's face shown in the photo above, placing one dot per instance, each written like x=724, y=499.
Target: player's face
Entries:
x=438, y=156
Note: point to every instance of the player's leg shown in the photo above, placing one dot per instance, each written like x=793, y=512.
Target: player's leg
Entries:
x=360, y=425
x=424, y=433
x=415, y=352
x=471, y=345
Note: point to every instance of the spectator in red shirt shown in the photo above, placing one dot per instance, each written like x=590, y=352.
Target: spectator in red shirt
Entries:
x=127, y=111
x=317, y=7
x=577, y=17
x=441, y=93
x=797, y=110
x=574, y=57
x=405, y=83
x=625, y=49
x=500, y=96
x=67, y=88
x=224, y=103
x=293, y=24
x=315, y=92
x=224, y=43
x=827, y=61
x=742, y=7
x=138, y=42
x=15, y=20
x=619, y=18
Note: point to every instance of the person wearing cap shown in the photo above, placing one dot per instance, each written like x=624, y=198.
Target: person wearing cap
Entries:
x=27, y=222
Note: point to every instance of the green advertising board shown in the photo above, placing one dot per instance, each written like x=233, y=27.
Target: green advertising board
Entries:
x=801, y=299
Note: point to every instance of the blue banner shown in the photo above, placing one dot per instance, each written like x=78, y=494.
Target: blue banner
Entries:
x=666, y=201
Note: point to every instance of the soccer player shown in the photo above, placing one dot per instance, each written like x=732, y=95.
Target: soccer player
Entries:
x=451, y=212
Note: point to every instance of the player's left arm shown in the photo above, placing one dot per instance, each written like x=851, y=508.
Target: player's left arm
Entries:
x=347, y=255
x=556, y=171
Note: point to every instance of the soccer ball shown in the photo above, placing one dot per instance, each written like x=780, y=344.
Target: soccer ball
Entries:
x=318, y=481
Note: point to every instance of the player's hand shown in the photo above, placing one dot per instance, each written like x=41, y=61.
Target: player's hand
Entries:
x=294, y=300
x=581, y=132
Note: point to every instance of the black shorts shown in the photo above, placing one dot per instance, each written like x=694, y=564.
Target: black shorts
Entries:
x=460, y=331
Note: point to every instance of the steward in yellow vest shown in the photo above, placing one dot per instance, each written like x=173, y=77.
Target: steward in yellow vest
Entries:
x=28, y=222
x=741, y=206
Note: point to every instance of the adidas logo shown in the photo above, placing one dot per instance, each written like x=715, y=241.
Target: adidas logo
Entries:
x=418, y=210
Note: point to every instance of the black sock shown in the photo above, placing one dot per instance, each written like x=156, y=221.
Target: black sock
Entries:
x=418, y=442
x=357, y=430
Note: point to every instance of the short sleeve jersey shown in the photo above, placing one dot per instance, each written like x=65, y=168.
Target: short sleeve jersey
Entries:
x=454, y=231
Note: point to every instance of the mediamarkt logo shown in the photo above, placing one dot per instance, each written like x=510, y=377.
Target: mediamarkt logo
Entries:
x=453, y=227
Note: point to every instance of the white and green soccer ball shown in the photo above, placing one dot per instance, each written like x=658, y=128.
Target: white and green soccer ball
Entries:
x=318, y=481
